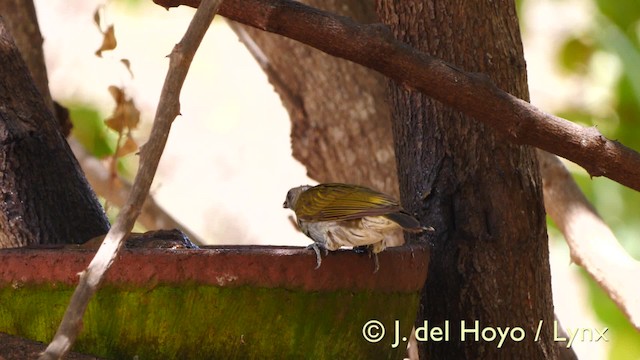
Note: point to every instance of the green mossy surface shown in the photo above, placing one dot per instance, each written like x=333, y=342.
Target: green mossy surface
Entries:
x=195, y=321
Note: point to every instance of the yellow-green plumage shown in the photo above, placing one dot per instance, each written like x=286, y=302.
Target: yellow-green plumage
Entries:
x=335, y=215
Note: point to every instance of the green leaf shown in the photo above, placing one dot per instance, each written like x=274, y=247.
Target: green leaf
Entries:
x=614, y=40
x=575, y=54
x=622, y=336
x=91, y=132
x=624, y=13
x=628, y=109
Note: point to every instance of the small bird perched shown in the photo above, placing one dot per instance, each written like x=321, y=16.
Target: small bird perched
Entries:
x=335, y=215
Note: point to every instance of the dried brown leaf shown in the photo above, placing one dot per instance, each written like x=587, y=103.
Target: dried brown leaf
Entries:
x=126, y=115
x=109, y=41
x=132, y=114
x=96, y=18
x=127, y=64
x=117, y=94
x=128, y=147
x=115, y=122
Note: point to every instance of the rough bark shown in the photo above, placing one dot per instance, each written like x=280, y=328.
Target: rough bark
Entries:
x=340, y=124
x=481, y=194
x=45, y=197
x=20, y=18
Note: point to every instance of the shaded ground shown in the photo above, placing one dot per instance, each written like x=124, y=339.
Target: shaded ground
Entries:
x=15, y=348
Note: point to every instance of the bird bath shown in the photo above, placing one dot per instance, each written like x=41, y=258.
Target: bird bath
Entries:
x=220, y=302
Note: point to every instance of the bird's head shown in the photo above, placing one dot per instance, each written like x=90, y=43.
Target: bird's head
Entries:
x=293, y=195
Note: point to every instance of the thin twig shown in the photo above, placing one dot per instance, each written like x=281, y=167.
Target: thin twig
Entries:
x=168, y=108
x=375, y=47
x=592, y=244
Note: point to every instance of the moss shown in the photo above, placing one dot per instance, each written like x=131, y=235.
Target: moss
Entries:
x=200, y=321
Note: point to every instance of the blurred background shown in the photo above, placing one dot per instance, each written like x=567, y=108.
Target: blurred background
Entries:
x=231, y=145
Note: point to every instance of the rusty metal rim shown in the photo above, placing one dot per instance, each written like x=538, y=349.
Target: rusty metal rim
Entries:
x=402, y=269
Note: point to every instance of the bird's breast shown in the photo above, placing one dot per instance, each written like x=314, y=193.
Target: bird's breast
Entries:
x=369, y=230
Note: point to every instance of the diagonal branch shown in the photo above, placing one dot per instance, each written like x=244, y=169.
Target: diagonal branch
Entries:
x=592, y=244
x=168, y=108
x=474, y=94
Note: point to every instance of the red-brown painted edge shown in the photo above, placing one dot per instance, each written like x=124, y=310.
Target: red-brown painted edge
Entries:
x=402, y=269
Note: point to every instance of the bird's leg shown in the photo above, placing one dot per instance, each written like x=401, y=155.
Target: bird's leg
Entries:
x=375, y=261
x=317, y=249
x=372, y=252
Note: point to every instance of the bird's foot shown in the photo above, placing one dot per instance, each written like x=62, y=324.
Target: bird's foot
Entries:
x=369, y=250
x=361, y=249
x=318, y=250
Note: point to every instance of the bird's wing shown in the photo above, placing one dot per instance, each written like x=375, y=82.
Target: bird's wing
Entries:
x=336, y=202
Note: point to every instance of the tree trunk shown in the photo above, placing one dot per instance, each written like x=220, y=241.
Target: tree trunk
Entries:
x=482, y=195
x=339, y=116
x=20, y=18
x=45, y=197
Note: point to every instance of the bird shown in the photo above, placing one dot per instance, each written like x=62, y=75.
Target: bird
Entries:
x=336, y=214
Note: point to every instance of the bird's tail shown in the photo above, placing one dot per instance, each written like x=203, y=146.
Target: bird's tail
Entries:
x=408, y=222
